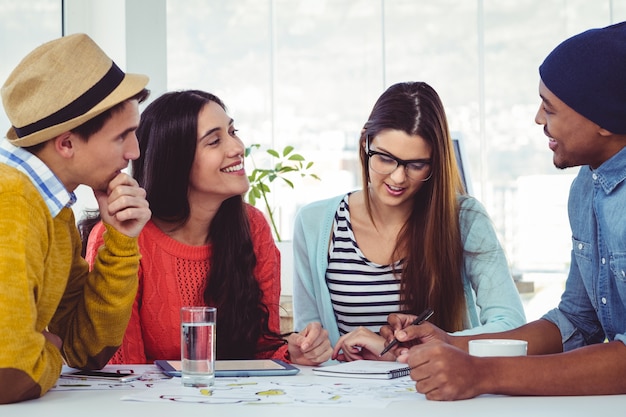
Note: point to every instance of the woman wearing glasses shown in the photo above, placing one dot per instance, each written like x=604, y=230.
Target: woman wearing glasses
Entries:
x=411, y=239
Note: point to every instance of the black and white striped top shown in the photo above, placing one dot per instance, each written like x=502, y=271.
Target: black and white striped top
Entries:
x=362, y=292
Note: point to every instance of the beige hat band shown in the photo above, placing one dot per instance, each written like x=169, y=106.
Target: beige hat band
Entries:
x=96, y=94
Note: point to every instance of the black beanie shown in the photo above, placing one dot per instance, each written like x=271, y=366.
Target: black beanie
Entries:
x=588, y=73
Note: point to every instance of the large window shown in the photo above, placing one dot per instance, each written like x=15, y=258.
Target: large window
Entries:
x=306, y=73
x=302, y=73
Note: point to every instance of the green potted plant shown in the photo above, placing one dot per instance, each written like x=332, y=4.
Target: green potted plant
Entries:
x=287, y=164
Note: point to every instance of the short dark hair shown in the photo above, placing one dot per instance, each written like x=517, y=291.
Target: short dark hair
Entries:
x=94, y=125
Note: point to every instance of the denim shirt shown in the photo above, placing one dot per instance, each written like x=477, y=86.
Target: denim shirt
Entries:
x=593, y=305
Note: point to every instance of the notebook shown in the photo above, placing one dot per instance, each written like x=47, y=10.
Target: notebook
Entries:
x=365, y=369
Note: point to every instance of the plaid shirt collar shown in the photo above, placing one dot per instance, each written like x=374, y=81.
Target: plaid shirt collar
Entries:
x=49, y=186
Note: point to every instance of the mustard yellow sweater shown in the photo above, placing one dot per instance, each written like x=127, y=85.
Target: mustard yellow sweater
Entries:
x=46, y=284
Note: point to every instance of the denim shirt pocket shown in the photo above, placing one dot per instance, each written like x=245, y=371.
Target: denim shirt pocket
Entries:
x=617, y=263
x=618, y=266
x=582, y=252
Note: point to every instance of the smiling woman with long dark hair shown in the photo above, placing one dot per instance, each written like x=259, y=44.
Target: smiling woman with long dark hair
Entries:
x=204, y=245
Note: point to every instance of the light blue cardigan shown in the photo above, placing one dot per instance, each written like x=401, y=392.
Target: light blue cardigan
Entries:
x=492, y=298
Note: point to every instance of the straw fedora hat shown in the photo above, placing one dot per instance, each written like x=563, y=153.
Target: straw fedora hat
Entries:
x=61, y=85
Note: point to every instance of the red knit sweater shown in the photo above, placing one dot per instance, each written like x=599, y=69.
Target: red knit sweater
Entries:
x=172, y=274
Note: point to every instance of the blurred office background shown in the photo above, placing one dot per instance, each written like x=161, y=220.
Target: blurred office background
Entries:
x=307, y=72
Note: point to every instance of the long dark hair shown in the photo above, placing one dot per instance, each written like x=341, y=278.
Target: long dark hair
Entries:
x=167, y=137
x=429, y=244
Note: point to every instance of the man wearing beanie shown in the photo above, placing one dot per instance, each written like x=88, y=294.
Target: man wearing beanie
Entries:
x=579, y=347
x=74, y=115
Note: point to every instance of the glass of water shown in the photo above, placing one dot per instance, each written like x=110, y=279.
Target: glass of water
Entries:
x=197, y=345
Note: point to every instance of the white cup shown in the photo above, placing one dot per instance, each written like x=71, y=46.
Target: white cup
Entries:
x=497, y=347
x=197, y=346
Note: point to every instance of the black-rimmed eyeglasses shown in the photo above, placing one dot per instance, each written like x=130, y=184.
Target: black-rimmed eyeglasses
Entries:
x=385, y=163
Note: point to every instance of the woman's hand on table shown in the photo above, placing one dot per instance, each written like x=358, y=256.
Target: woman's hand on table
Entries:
x=361, y=344
x=311, y=346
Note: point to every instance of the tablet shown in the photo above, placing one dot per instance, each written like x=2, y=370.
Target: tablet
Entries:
x=237, y=368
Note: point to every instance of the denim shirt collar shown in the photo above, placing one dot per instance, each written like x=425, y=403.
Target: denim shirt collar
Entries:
x=612, y=172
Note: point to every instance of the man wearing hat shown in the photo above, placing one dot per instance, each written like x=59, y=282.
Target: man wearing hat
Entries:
x=579, y=348
x=74, y=115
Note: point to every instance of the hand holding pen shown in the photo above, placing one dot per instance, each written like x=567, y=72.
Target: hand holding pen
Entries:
x=419, y=320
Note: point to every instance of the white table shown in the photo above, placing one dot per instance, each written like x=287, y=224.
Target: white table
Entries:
x=107, y=404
